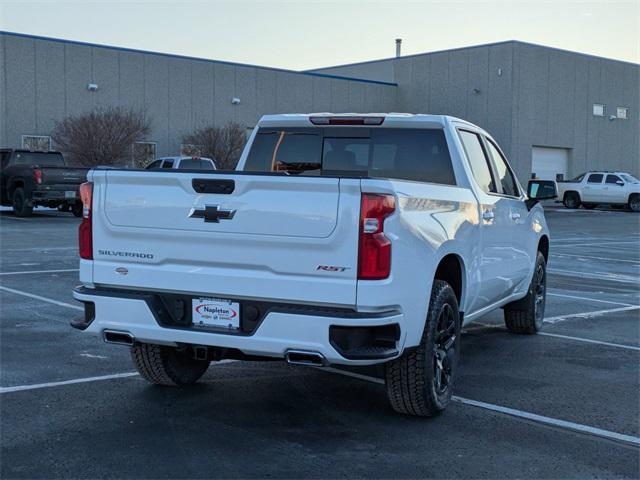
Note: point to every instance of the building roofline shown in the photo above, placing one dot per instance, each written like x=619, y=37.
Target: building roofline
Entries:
x=199, y=59
x=494, y=44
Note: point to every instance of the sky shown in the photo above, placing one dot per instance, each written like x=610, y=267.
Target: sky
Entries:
x=307, y=34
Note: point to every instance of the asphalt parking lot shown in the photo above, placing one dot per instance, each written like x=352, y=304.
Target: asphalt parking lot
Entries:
x=563, y=404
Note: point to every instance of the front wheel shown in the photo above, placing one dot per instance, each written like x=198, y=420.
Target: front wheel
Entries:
x=526, y=316
x=169, y=366
x=420, y=382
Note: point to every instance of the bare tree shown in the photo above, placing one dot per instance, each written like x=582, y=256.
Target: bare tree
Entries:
x=223, y=144
x=102, y=137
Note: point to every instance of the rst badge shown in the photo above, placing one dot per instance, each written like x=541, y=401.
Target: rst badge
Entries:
x=215, y=312
x=331, y=268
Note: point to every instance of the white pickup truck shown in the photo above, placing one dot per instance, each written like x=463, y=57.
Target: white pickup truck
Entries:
x=340, y=239
x=601, y=188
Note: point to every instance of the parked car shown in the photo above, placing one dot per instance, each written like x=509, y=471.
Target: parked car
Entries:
x=29, y=179
x=183, y=163
x=351, y=240
x=595, y=188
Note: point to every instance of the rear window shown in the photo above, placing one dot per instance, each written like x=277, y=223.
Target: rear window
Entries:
x=407, y=154
x=39, y=158
x=195, y=164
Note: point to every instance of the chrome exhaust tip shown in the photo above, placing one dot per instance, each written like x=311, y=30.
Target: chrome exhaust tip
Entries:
x=303, y=357
x=117, y=337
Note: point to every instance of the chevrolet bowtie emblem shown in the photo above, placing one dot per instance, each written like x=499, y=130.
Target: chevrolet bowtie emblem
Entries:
x=212, y=213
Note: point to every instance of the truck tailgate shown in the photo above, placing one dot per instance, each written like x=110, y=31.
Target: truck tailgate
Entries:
x=64, y=176
x=227, y=235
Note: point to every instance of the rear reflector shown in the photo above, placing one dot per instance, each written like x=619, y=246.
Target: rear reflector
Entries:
x=346, y=120
x=37, y=176
x=374, y=248
x=85, y=233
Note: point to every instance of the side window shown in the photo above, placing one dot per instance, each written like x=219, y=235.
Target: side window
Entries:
x=613, y=179
x=167, y=164
x=4, y=159
x=478, y=161
x=595, y=178
x=505, y=175
x=155, y=164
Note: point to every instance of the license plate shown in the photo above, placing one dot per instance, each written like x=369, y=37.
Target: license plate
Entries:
x=69, y=194
x=215, y=312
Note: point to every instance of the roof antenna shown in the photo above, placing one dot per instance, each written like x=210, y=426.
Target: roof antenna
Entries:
x=398, y=47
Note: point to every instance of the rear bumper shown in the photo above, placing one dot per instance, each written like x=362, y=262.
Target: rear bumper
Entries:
x=56, y=195
x=279, y=330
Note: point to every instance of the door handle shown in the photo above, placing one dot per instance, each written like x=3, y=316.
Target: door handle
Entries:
x=488, y=215
x=515, y=216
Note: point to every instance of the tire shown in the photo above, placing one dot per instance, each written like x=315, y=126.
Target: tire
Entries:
x=526, y=316
x=589, y=206
x=21, y=207
x=76, y=209
x=571, y=200
x=634, y=203
x=420, y=382
x=169, y=366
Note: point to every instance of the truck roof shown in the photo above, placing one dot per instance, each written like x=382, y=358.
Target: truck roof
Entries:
x=391, y=119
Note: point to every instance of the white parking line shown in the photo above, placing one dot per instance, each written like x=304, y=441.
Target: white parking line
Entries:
x=587, y=340
x=26, y=272
x=20, y=388
x=42, y=299
x=36, y=386
x=596, y=313
x=587, y=299
x=608, y=259
x=581, y=244
x=598, y=276
x=576, y=427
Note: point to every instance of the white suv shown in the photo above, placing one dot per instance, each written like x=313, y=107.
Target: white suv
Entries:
x=341, y=239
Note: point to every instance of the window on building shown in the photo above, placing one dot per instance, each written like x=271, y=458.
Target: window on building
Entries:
x=143, y=154
x=505, y=175
x=190, y=150
x=598, y=109
x=478, y=161
x=595, y=178
x=622, y=113
x=36, y=143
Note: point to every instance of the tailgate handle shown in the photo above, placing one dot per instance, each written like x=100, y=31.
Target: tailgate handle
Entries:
x=207, y=185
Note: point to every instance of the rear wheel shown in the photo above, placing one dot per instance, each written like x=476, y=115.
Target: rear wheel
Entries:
x=76, y=209
x=420, y=382
x=571, y=200
x=634, y=202
x=170, y=366
x=21, y=206
x=527, y=315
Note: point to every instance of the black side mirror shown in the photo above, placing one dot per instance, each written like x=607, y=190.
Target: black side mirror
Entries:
x=540, y=190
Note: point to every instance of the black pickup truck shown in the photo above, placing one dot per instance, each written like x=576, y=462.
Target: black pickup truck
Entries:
x=29, y=179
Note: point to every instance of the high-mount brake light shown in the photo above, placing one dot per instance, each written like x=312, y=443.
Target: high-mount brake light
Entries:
x=346, y=120
x=37, y=176
x=85, y=231
x=374, y=248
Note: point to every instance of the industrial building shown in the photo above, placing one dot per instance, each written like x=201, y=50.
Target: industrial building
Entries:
x=554, y=112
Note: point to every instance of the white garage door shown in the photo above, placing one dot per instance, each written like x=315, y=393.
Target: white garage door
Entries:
x=547, y=162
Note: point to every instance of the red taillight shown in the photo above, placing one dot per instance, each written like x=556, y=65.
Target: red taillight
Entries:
x=37, y=176
x=85, y=234
x=374, y=254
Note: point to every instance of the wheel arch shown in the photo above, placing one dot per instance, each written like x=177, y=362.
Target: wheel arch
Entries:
x=564, y=196
x=543, y=247
x=451, y=269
